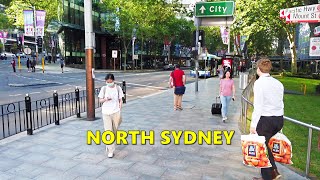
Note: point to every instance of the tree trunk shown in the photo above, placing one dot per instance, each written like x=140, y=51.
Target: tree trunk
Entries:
x=141, y=58
x=291, y=38
x=125, y=58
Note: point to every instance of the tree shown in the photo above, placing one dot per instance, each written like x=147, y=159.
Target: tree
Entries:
x=16, y=7
x=4, y=21
x=150, y=19
x=263, y=16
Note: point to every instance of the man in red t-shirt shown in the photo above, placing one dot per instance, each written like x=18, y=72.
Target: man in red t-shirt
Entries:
x=178, y=81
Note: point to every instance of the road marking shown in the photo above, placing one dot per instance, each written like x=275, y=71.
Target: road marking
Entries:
x=155, y=87
x=130, y=95
x=16, y=95
x=35, y=93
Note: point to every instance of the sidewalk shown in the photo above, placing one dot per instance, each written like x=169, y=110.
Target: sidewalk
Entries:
x=60, y=152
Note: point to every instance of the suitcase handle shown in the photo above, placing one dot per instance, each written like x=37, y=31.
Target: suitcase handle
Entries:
x=218, y=97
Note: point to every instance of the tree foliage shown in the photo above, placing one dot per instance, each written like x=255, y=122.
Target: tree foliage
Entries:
x=16, y=7
x=262, y=17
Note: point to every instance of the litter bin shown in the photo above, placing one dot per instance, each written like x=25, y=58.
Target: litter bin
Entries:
x=243, y=80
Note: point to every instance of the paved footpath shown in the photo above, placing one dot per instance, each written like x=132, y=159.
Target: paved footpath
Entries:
x=60, y=152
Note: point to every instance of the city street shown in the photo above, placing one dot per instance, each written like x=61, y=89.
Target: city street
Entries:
x=14, y=86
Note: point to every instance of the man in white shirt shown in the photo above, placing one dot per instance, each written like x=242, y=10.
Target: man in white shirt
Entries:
x=267, y=117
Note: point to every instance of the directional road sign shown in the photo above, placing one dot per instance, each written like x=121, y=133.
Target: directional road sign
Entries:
x=310, y=14
x=214, y=9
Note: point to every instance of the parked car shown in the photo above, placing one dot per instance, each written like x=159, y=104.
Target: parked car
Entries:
x=5, y=55
x=21, y=54
x=168, y=67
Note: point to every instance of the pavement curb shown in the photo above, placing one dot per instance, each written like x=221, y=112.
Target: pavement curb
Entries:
x=25, y=85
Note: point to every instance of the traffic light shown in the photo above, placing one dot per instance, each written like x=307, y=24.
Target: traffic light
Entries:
x=39, y=42
x=201, y=38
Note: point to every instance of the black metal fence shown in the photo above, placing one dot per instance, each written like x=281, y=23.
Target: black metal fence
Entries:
x=31, y=115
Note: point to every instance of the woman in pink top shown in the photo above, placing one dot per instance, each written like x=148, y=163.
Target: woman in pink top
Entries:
x=227, y=91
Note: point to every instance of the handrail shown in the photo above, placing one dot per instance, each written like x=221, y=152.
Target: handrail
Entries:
x=245, y=102
x=288, y=118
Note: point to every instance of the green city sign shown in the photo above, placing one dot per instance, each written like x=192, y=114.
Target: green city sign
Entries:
x=214, y=9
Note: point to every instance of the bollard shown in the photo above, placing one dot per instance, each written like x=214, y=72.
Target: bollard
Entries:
x=124, y=89
x=77, y=102
x=56, y=108
x=28, y=114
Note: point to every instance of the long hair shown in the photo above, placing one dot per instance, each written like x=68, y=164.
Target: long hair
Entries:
x=224, y=74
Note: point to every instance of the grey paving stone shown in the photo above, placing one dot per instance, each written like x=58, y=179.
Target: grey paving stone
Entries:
x=64, y=153
x=89, y=170
x=29, y=170
x=172, y=174
x=35, y=149
x=60, y=164
x=141, y=157
x=6, y=164
x=119, y=173
x=147, y=169
x=13, y=153
x=6, y=176
x=35, y=158
x=90, y=158
x=116, y=163
x=57, y=175
x=172, y=163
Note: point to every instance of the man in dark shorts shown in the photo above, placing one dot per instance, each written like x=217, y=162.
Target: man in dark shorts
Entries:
x=178, y=81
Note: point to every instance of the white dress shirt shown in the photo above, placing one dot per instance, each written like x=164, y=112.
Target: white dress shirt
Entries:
x=268, y=98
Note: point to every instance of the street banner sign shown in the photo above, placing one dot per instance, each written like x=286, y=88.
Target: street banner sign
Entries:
x=214, y=9
x=41, y=16
x=224, y=34
x=314, y=46
x=1, y=35
x=135, y=57
x=309, y=14
x=114, y=53
x=28, y=23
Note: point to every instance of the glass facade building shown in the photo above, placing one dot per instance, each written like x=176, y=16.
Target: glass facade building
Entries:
x=72, y=35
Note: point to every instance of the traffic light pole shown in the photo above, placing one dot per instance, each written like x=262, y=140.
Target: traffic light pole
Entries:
x=89, y=35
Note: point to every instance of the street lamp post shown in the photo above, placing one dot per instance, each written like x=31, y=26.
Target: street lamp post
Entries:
x=133, y=61
x=89, y=42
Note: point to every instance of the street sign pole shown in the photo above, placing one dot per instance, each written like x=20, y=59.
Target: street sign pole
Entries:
x=114, y=64
x=196, y=60
x=89, y=59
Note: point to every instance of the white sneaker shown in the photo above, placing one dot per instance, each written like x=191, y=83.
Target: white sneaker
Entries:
x=224, y=119
x=110, y=155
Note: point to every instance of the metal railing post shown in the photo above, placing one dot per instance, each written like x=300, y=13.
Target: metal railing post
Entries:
x=28, y=115
x=56, y=108
x=77, y=102
x=124, y=89
x=309, y=151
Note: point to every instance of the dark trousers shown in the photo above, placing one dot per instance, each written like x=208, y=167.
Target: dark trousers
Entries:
x=268, y=126
x=14, y=68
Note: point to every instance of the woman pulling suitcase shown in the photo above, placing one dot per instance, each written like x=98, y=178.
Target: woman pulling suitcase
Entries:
x=227, y=92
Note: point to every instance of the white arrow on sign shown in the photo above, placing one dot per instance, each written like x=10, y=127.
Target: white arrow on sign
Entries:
x=202, y=9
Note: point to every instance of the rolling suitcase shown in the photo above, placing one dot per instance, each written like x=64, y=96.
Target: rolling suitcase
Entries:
x=216, y=107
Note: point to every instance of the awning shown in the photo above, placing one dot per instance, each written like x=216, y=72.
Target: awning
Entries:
x=207, y=56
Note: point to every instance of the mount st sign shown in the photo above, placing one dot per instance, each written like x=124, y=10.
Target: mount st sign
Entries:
x=309, y=14
x=214, y=9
